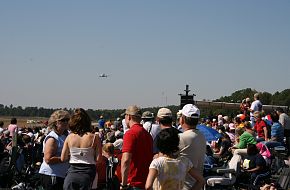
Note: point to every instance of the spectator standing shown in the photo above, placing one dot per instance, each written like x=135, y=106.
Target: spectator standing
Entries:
x=13, y=128
x=82, y=148
x=149, y=124
x=101, y=122
x=255, y=106
x=164, y=119
x=168, y=169
x=192, y=143
x=1, y=126
x=137, y=151
x=53, y=170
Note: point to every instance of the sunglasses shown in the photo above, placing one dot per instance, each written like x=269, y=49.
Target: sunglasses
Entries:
x=64, y=120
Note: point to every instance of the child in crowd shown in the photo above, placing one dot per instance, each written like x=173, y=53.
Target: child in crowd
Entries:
x=255, y=166
x=168, y=169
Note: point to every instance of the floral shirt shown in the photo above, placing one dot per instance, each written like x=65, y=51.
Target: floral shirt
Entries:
x=171, y=172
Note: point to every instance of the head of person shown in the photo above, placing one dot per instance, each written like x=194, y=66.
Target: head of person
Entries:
x=248, y=100
x=1, y=124
x=6, y=133
x=237, y=120
x=190, y=115
x=275, y=117
x=108, y=149
x=132, y=115
x=257, y=96
x=80, y=122
x=248, y=125
x=279, y=110
x=58, y=121
x=118, y=134
x=252, y=150
x=164, y=117
x=13, y=121
x=147, y=116
x=257, y=115
x=168, y=136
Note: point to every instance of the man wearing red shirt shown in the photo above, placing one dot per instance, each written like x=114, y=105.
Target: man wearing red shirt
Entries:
x=137, y=151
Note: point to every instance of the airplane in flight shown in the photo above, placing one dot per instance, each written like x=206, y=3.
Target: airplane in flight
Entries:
x=103, y=75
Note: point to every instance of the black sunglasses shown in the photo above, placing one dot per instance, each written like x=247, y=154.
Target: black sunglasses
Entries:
x=64, y=120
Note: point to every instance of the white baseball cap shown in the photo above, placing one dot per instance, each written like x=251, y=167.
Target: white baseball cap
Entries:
x=190, y=110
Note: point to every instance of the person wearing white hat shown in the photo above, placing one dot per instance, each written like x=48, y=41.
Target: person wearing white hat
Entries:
x=192, y=143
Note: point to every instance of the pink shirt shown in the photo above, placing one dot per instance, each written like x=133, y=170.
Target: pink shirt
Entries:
x=11, y=129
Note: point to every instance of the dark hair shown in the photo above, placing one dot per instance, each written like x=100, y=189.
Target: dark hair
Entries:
x=13, y=120
x=168, y=141
x=252, y=150
x=167, y=121
x=1, y=123
x=274, y=116
x=238, y=120
x=80, y=122
x=190, y=121
x=279, y=109
x=248, y=125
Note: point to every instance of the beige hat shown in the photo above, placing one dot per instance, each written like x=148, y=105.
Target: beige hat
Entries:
x=164, y=112
x=133, y=110
x=147, y=115
x=57, y=116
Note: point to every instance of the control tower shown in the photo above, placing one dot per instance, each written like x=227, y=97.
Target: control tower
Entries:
x=186, y=98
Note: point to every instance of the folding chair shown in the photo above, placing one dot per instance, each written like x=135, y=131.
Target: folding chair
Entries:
x=228, y=175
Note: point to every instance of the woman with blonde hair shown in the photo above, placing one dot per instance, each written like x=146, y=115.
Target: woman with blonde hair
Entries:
x=82, y=148
x=53, y=169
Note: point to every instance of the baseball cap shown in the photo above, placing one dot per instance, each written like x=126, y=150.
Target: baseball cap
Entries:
x=133, y=110
x=190, y=110
x=57, y=116
x=164, y=112
x=147, y=115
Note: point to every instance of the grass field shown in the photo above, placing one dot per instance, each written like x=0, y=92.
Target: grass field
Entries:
x=22, y=121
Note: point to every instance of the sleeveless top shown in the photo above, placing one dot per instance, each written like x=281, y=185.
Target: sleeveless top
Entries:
x=83, y=155
x=58, y=169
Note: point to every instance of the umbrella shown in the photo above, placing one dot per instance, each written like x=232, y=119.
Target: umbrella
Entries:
x=209, y=133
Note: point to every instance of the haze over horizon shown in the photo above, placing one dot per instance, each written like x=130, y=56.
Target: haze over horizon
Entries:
x=52, y=52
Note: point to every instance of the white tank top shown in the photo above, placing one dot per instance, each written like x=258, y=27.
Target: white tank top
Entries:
x=83, y=155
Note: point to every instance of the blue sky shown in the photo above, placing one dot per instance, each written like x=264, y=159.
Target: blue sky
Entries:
x=52, y=52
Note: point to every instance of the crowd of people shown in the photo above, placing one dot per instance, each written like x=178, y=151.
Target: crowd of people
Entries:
x=140, y=151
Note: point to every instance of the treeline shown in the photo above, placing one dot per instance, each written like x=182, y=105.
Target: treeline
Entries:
x=44, y=112
x=278, y=98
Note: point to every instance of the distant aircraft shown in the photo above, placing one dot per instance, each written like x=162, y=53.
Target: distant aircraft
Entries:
x=103, y=75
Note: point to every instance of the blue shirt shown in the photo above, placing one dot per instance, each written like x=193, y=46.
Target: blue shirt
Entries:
x=277, y=131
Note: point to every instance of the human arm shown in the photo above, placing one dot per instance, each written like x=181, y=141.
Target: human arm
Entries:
x=257, y=168
x=50, y=152
x=125, y=166
x=99, y=148
x=150, y=178
x=65, y=151
x=242, y=142
x=198, y=177
x=265, y=133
